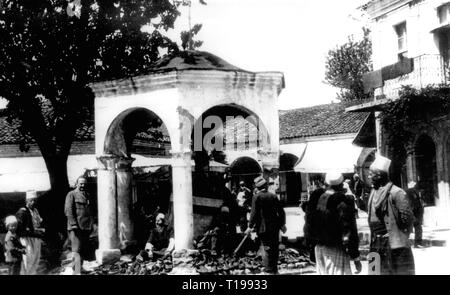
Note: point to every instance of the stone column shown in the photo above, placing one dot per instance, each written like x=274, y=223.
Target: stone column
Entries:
x=182, y=200
x=125, y=202
x=410, y=164
x=108, y=249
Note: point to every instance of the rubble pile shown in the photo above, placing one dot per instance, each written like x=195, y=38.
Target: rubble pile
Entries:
x=135, y=267
x=194, y=262
x=206, y=262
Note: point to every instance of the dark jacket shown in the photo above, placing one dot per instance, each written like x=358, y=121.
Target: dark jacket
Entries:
x=416, y=204
x=25, y=227
x=13, y=248
x=330, y=220
x=267, y=215
x=160, y=240
x=78, y=211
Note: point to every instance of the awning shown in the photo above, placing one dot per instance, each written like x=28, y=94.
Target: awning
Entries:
x=329, y=155
x=30, y=173
x=142, y=161
x=372, y=106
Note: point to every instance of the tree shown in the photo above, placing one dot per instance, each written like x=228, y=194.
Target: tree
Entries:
x=346, y=65
x=51, y=50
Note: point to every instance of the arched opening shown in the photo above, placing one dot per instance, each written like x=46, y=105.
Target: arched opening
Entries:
x=398, y=167
x=290, y=181
x=144, y=177
x=244, y=169
x=220, y=135
x=225, y=132
x=425, y=158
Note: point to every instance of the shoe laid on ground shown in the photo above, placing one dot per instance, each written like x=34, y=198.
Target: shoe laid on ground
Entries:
x=419, y=246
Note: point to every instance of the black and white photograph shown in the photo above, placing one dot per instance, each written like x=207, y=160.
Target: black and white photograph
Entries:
x=233, y=140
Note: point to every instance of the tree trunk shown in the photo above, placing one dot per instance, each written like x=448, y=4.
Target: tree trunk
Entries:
x=53, y=202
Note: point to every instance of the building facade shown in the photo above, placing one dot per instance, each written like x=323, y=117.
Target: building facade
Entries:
x=411, y=48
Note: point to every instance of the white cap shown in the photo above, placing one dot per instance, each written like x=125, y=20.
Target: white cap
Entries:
x=381, y=163
x=31, y=195
x=160, y=216
x=334, y=178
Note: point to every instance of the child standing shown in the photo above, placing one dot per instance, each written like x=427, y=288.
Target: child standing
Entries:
x=13, y=248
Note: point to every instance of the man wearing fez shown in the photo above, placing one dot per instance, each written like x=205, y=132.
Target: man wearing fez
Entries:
x=79, y=222
x=267, y=218
x=390, y=221
x=330, y=226
x=31, y=232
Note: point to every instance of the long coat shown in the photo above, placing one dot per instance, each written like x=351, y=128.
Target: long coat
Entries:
x=267, y=214
x=78, y=211
x=397, y=216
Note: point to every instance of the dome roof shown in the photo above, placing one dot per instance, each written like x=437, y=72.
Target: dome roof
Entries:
x=193, y=60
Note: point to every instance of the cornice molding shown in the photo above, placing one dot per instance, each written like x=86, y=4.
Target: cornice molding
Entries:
x=178, y=79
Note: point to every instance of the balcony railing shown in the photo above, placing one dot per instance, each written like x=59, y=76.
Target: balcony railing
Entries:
x=428, y=69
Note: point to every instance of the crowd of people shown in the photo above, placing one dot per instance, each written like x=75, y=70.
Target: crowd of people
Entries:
x=331, y=229
x=250, y=218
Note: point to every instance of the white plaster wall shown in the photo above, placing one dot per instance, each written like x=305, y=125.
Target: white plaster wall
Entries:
x=30, y=173
x=420, y=20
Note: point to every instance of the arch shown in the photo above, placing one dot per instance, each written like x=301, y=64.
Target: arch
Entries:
x=244, y=169
x=364, y=161
x=288, y=161
x=426, y=167
x=398, y=169
x=234, y=118
x=290, y=181
x=124, y=128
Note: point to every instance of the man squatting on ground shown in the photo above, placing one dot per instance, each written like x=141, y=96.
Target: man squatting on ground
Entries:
x=161, y=241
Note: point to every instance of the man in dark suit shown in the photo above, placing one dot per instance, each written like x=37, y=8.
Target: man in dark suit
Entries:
x=79, y=222
x=267, y=218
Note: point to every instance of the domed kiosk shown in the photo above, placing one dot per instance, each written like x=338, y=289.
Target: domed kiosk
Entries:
x=180, y=90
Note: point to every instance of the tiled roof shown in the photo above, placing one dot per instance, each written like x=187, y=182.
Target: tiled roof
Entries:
x=327, y=119
x=318, y=120
x=9, y=131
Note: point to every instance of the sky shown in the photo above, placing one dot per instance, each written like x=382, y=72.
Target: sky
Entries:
x=290, y=36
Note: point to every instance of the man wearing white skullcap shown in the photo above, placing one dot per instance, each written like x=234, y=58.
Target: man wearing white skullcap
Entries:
x=390, y=221
x=31, y=233
x=331, y=226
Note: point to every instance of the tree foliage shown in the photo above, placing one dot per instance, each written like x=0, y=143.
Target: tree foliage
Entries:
x=51, y=50
x=346, y=65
